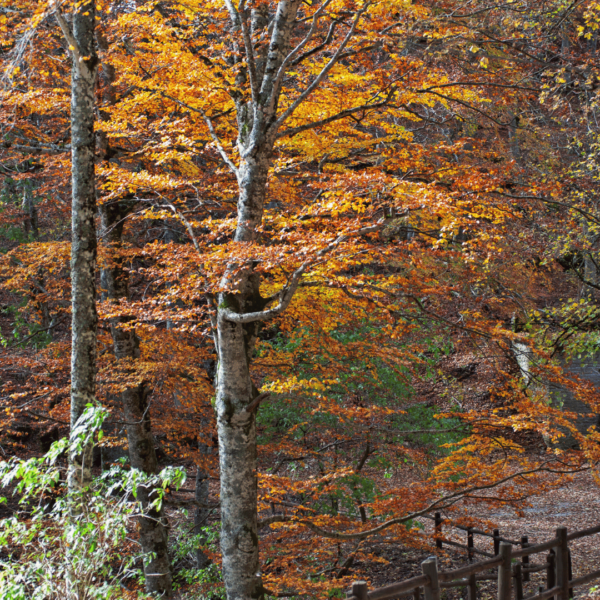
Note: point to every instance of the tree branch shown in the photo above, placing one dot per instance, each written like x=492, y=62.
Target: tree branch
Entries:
x=287, y=293
x=441, y=503
x=41, y=149
x=249, y=57
x=217, y=142
x=298, y=48
x=73, y=47
x=341, y=115
x=326, y=42
x=185, y=222
x=332, y=61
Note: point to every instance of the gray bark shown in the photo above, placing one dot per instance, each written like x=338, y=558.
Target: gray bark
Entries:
x=513, y=137
x=83, y=242
x=235, y=391
x=258, y=126
x=236, y=429
x=587, y=369
x=134, y=401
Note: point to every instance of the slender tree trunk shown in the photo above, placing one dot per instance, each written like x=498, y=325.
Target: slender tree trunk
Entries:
x=513, y=137
x=202, y=512
x=134, y=400
x=206, y=449
x=30, y=210
x=83, y=242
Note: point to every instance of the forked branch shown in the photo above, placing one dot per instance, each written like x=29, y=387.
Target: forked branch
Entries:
x=287, y=293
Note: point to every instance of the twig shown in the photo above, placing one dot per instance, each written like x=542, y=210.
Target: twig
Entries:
x=35, y=333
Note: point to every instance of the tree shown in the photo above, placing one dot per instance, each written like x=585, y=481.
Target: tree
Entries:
x=81, y=41
x=134, y=400
x=134, y=396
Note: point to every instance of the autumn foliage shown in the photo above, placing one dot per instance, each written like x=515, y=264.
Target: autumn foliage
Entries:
x=434, y=196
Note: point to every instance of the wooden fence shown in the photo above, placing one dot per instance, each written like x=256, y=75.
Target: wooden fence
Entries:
x=471, y=533
x=510, y=573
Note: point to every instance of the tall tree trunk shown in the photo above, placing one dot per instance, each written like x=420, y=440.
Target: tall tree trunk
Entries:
x=83, y=241
x=236, y=425
x=30, y=210
x=236, y=428
x=134, y=400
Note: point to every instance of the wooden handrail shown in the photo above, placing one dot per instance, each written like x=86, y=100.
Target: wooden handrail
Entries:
x=584, y=579
x=458, y=545
x=553, y=543
x=474, y=530
x=583, y=533
x=433, y=580
x=545, y=594
x=469, y=570
x=535, y=568
x=397, y=589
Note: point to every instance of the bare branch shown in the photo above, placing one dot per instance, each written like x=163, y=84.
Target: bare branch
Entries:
x=256, y=402
x=320, y=47
x=217, y=142
x=297, y=49
x=334, y=59
x=38, y=149
x=73, y=47
x=250, y=58
x=185, y=222
x=465, y=104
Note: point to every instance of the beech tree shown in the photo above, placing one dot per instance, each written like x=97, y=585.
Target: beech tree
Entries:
x=81, y=40
x=134, y=396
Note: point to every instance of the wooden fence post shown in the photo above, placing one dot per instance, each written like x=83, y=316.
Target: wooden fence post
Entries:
x=438, y=530
x=518, y=581
x=472, y=589
x=562, y=563
x=525, y=560
x=551, y=570
x=417, y=594
x=570, y=572
x=496, y=536
x=470, y=543
x=360, y=589
x=432, y=589
x=505, y=572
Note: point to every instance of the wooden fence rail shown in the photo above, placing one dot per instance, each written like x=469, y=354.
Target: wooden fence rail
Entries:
x=510, y=577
